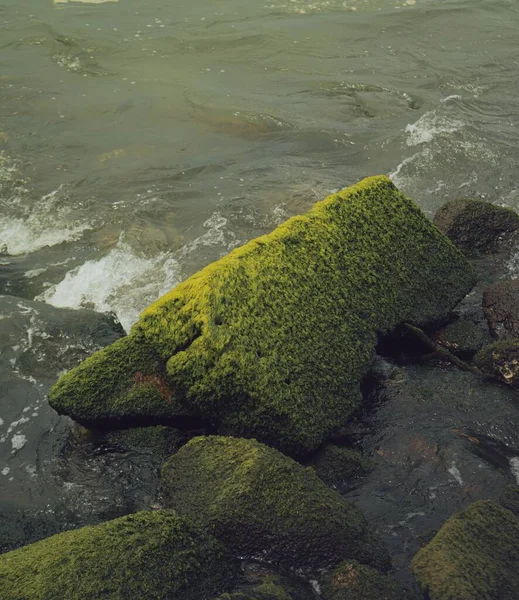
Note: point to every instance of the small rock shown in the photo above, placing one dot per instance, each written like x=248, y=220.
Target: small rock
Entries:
x=501, y=360
x=463, y=338
x=475, y=226
x=336, y=465
x=501, y=308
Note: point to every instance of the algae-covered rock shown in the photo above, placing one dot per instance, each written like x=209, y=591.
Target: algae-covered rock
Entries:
x=272, y=340
x=336, y=465
x=268, y=590
x=161, y=441
x=476, y=226
x=501, y=360
x=354, y=581
x=501, y=308
x=474, y=556
x=262, y=504
x=509, y=498
x=152, y=555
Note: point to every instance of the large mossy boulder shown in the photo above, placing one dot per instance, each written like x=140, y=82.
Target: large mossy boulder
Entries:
x=149, y=555
x=262, y=504
x=353, y=581
x=272, y=340
x=474, y=556
x=476, y=226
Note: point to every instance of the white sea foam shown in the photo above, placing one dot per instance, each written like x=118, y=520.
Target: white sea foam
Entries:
x=126, y=283
x=46, y=223
x=428, y=126
x=18, y=441
x=514, y=465
x=455, y=473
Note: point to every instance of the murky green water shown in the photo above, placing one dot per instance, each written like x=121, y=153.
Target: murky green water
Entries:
x=140, y=140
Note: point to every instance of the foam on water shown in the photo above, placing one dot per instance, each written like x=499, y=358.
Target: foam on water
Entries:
x=429, y=126
x=125, y=283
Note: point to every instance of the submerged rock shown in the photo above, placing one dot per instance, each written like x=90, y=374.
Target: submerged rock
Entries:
x=476, y=226
x=501, y=360
x=353, y=581
x=262, y=504
x=463, y=337
x=501, y=309
x=272, y=340
x=153, y=555
x=473, y=556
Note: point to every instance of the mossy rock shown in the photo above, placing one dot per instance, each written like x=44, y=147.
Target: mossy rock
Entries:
x=161, y=441
x=354, y=581
x=262, y=504
x=153, y=555
x=336, y=465
x=509, y=498
x=501, y=360
x=474, y=556
x=476, y=226
x=272, y=340
x=268, y=590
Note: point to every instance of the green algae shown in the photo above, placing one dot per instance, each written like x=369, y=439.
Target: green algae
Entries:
x=262, y=504
x=272, y=340
x=354, y=581
x=501, y=360
x=268, y=590
x=474, y=556
x=153, y=555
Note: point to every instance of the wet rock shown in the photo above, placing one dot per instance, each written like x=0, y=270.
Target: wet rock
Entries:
x=272, y=341
x=463, y=337
x=476, y=226
x=501, y=360
x=354, y=581
x=157, y=555
x=336, y=465
x=268, y=590
x=509, y=498
x=474, y=555
x=263, y=504
x=501, y=308
x=160, y=440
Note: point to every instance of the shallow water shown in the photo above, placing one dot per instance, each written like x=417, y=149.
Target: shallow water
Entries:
x=141, y=140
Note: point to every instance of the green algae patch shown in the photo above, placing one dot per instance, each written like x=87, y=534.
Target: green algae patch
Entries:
x=262, y=504
x=354, y=581
x=474, y=556
x=272, y=340
x=152, y=555
x=268, y=590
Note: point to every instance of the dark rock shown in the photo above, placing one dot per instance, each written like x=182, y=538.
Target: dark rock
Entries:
x=473, y=556
x=354, y=581
x=262, y=504
x=475, y=226
x=336, y=465
x=463, y=337
x=157, y=555
x=509, y=498
x=501, y=308
x=501, y=360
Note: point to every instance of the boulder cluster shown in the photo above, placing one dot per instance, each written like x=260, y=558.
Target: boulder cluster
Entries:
x=264, y=352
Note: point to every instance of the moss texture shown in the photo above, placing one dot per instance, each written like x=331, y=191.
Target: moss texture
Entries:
x=501, y=360
x=161, y=441
x=153, y=555
x=474, y=556
x=268, y=590
x=353, y=581
x=272, y=340
x=262, y=504
x=509, y=498
x=476, y=226
x=336, y=465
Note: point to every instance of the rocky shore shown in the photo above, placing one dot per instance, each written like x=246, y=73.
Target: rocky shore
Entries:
x=279, y=385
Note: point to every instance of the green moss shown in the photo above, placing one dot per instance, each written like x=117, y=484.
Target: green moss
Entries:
x=476, y=226
x=272, y=340
x=268, y=590
x=353, y=581
x=153, y=555
x=501, y=359
x=263, y=504
x=162, y=441
x=336, y=465
x=474, y=556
